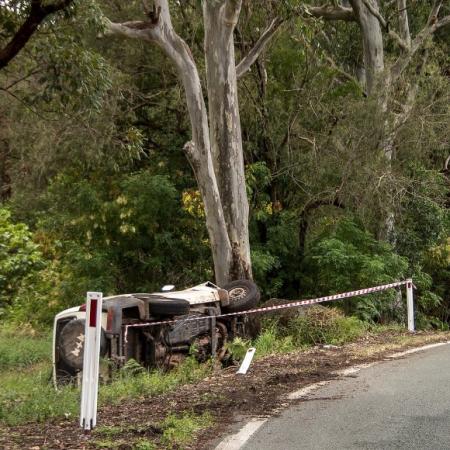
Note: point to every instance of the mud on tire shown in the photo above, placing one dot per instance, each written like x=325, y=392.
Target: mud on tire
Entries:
x=71, y=345
x=243, y=294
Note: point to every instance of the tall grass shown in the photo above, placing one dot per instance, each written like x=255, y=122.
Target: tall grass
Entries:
x=321, y=325
x=21, y=347
x=126, y=384
x=318, y=325
x=28, y=396
x=26, y=393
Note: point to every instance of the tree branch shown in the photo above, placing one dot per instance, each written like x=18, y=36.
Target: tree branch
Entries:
x=447, y=163
x=232, y=11
x=329, y=12
x=134, y=29
x=246, y=62
x=384, y=24
x=19, y=80
x=432, y=18
x=332, y=62
x=418, y=42
x=404, y=21
x=38, y=12
x=445, y=21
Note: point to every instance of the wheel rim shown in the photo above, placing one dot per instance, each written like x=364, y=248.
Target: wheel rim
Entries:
x=237, y=293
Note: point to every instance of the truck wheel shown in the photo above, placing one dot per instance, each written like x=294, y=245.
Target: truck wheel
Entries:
x=243, y=294
x=71, y=344
x=168, y=306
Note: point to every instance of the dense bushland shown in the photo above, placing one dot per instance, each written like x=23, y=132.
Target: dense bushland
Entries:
x=96, y=193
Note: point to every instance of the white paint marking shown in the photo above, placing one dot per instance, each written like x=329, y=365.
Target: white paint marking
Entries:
x=236, y=441
x=418, y=349
x=353, y=370
x=303, y=392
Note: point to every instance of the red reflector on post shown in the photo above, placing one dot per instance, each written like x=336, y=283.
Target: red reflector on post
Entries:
x=91, y=360
x=93, y=313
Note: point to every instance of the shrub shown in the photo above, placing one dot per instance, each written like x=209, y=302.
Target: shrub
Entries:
x=346, y=257
x=19, y=256
x=322, y=325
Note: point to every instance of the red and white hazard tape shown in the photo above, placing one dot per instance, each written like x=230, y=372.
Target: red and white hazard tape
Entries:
x=328, y=298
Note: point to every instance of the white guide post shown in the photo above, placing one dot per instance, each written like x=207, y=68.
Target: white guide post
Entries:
x=247, y=361
x=91, y=360
x=410, y=304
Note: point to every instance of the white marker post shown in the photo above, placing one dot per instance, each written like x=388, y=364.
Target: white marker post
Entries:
x=410, y=304
x=91, y=360
x=247, y=361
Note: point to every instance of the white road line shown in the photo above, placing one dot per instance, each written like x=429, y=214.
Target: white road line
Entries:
x=236, y=441
x=418, y=349
x=353, y=370
x=303, y=392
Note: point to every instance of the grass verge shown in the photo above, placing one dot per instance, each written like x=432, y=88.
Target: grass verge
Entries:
x=27, y=394
x=175, y=431
x=318, y=325
x=21, y=347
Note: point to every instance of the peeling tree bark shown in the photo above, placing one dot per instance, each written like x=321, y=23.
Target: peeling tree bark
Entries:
x=160, y=31
x=403, y=22
x=220, y=18
x=330, y=12
x=372, y=40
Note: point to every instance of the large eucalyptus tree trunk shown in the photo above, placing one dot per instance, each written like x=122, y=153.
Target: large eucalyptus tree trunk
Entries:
x=372, y=41
x=159, y=30
x=215, y=151
x=220, y=18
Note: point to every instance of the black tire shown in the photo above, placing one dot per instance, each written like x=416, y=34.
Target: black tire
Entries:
x=71, y=344
x=168, y=306
x=243, y=294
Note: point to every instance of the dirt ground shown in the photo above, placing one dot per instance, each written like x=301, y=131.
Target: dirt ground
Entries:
x=228, y=397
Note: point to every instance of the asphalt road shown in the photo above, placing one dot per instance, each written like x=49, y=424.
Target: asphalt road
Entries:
x=399, y=404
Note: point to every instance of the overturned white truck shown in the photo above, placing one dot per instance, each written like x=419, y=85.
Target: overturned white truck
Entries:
x=161, y=345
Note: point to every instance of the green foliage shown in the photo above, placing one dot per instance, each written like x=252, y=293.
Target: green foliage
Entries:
x=19, y=256
x=143, y=444
x=28, y=396
x=123, y=235
x=238, y=348
x=27, y=392
x=180, y=430
x=40, y=296
x=91, y=138
x=22, y=347
x=275, y=254
x=136, y=383
x=320, y=325
x=316, y=325
x=424, y=220
x=272, y=341
x=345, y=257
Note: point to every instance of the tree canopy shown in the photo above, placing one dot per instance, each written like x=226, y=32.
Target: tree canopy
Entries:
x=344, y=178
